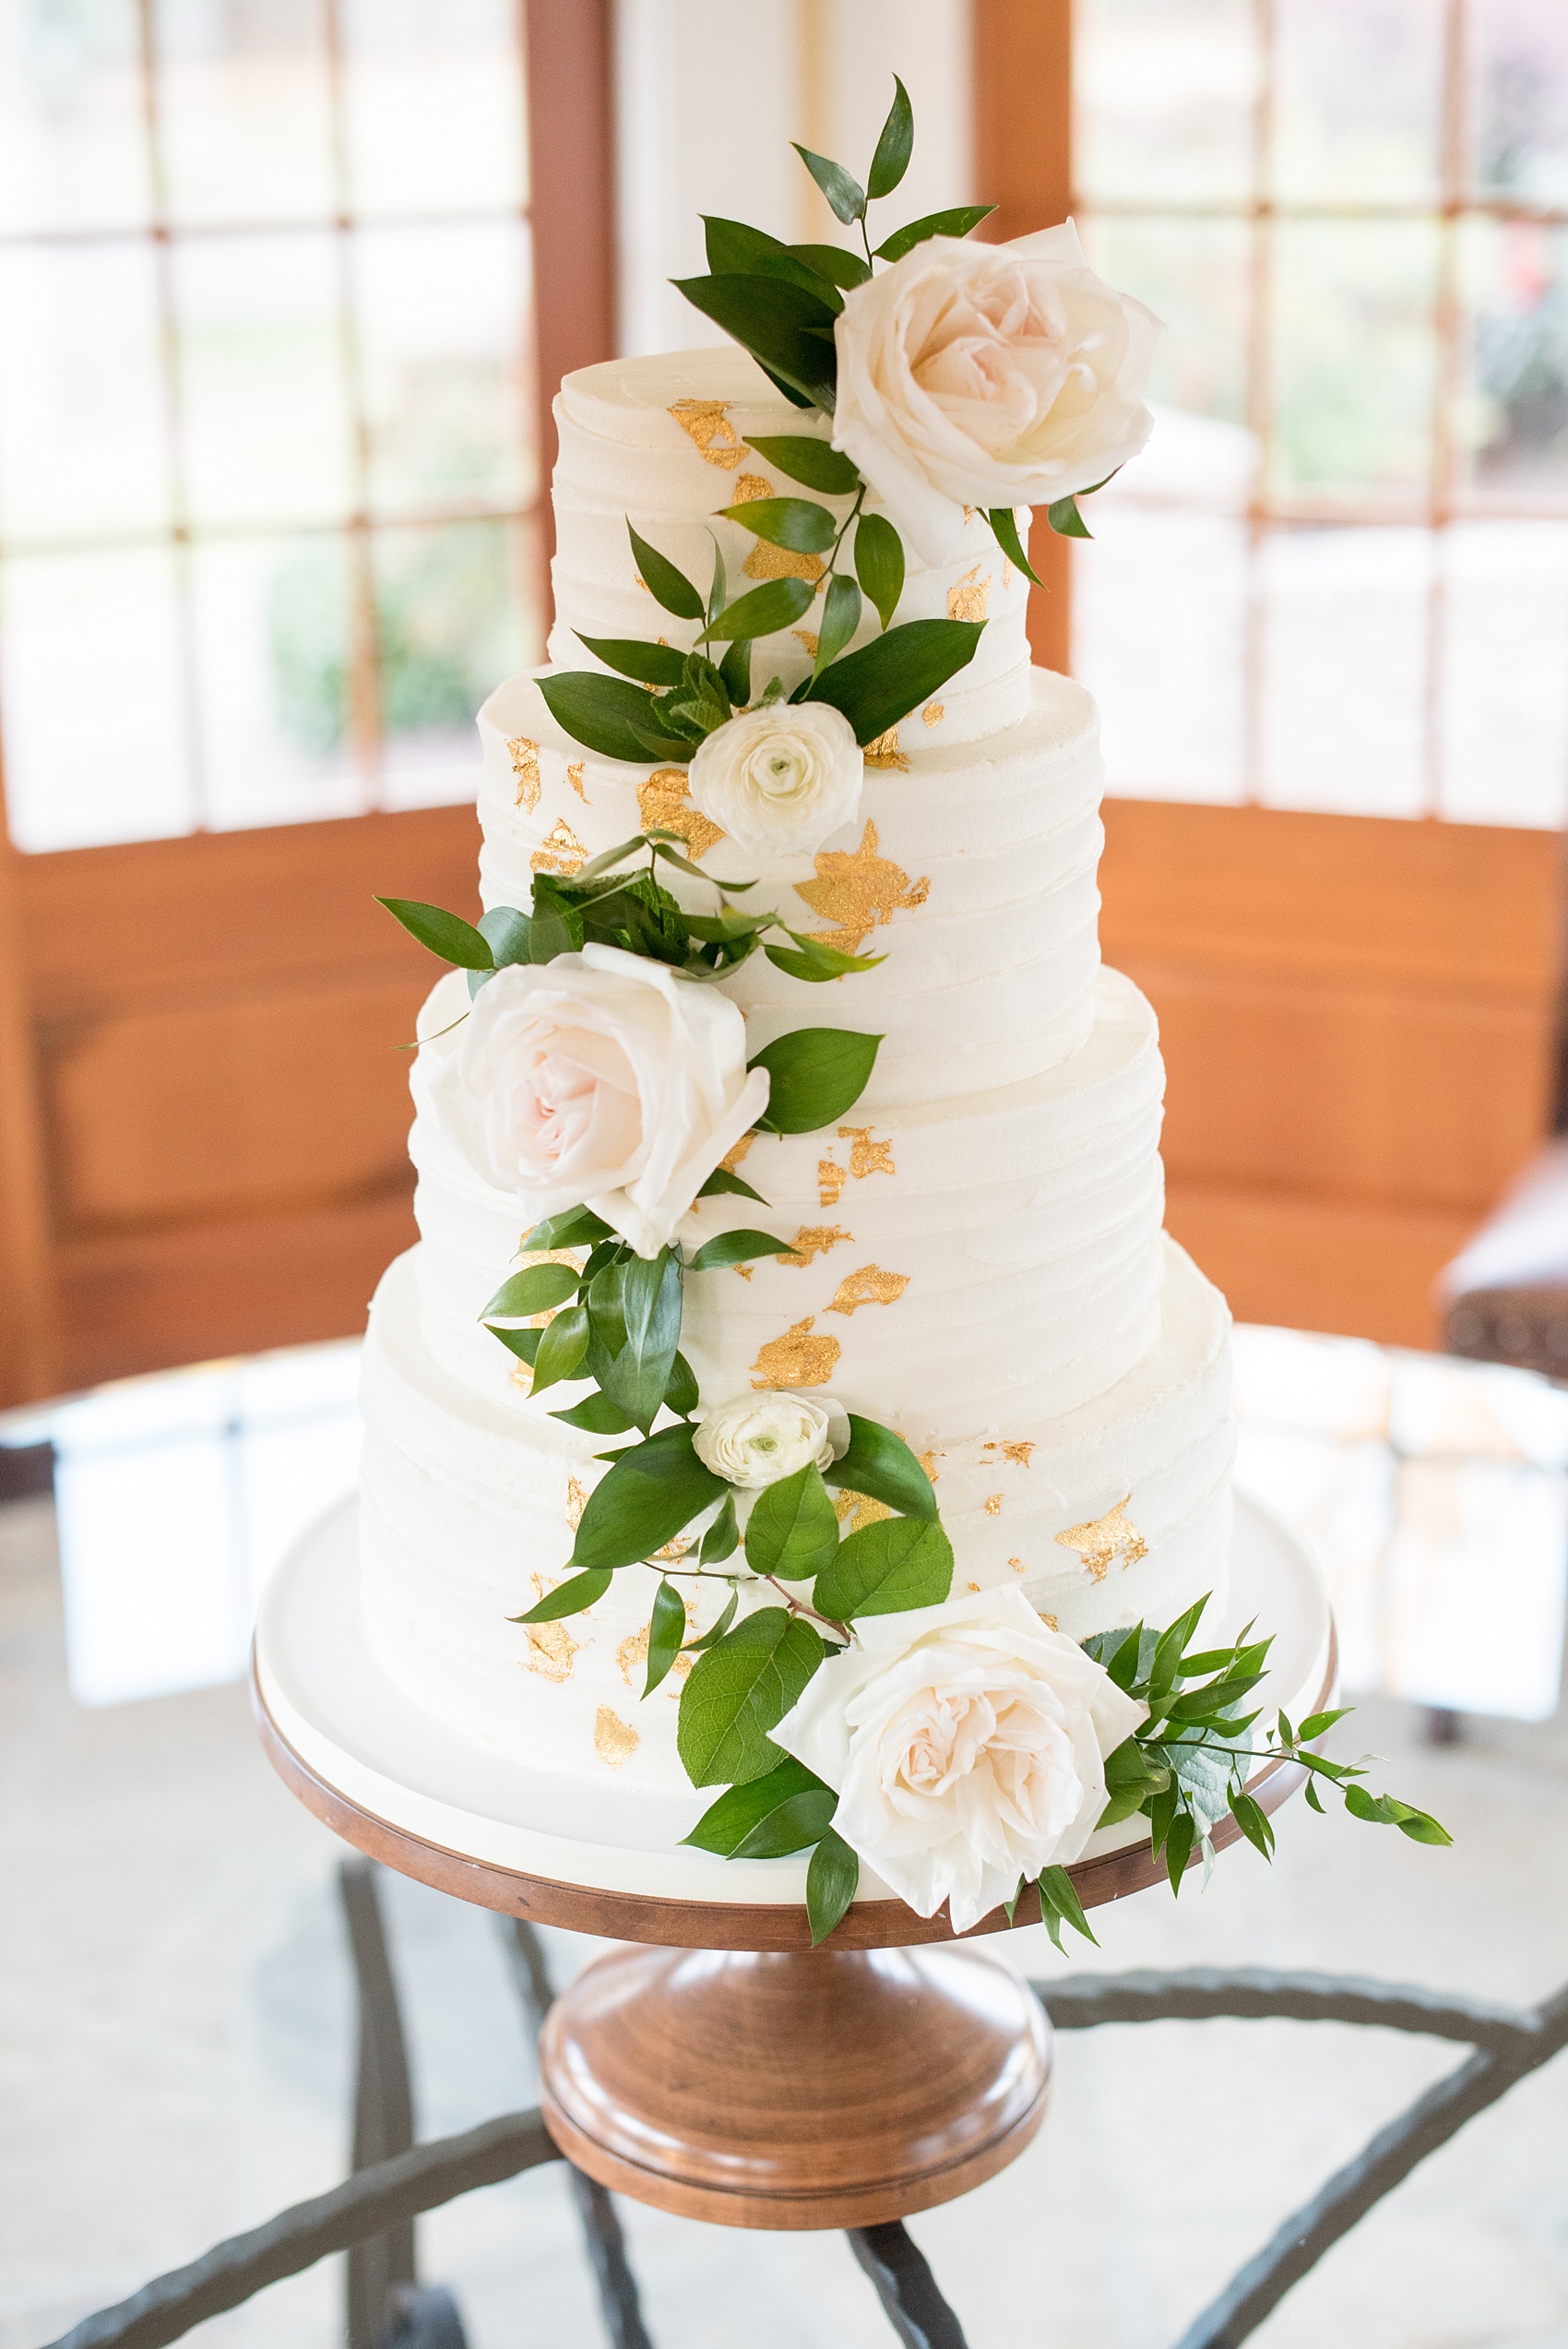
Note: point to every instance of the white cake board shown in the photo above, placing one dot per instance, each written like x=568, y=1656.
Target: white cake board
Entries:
x=331, y=1703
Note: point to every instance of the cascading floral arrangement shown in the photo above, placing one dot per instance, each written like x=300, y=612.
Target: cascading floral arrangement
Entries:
x=960, y=1746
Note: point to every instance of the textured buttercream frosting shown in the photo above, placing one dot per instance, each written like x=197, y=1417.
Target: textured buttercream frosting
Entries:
x=973, y=1255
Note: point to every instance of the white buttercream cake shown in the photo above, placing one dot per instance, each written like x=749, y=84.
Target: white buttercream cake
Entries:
x=977, y=1254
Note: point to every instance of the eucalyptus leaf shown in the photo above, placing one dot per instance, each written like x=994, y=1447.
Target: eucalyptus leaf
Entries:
x=667, y=586
x=655, y=664
x=895, y=146
x=815, y=1075
x=957, y=220
x=794, y=523
x=831, y=1880
x=567, y=1598
x=666, y=1628
x=893, y=674
x=652, y=1492
x=740, y=1810
x=900, y=1562
x=816, y=463
x=881, y=1465
x=739, y=1690
x=508, y=935
x=775, y=606
x=792, y=1531
x=736, y=1247
x=843, y=191
x=534, y=1290
x=879, y=563
x=445, y=934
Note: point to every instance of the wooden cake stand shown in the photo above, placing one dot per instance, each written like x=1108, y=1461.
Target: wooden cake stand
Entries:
x=728, y=2072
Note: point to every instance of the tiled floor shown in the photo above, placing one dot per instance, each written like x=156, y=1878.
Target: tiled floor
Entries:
x=176, y=2029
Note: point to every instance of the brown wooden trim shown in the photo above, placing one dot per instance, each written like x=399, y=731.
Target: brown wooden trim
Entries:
x=29, y=1351
x=704, y=1925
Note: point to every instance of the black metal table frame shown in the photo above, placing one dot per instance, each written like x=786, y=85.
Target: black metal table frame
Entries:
x=371, y=2214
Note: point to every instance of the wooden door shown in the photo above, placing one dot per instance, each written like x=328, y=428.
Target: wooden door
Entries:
x=1356, y=1014
x=204, y=1112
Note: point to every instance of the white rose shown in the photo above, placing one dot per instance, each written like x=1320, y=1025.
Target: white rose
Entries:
x=988, y=374
x=779, y=780
x=968, y=1743
x=603, y=1079
x=757, y=1439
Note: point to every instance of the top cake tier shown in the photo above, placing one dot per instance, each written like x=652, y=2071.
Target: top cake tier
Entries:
x=665, y=442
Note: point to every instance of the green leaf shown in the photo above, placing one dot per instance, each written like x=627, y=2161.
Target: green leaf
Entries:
x=956, y=221
x=839, y=266
x=446, y=935
x=1065, y=518
x=611, y=715
x=564, y=1343
x=831, y=1878
x=721, y=1181
x=1318, y=1724
x=795, y=522
x=881, y=1465
x=574, y=1227
x=816, y=963
x=1314, y=1800
x=741, y=1811
x=1254, y=1822
x=802, y=1820
x=814, y=463
x=635, y=1373
x=711, y=1639
x=765, y=611
x=667, y=586
x=1420, y=1827
x=879, y=563
x=596, y=1415
x=893, y=674
x=570, y=1597
x=666, y=1628
x=721, y=1540
x=816, y=1074
x=735, y=248
x=737, y=1248
x=508, y=935
x=895, y=146
x=681, y=1394
x=898, y=1563
x=1060, y=1905
x=655, y=664
x=534, y=1290
x=774, y=319
x=1004, y=523
x=741, y=1689
x=792, y=1530
x=523, y=1344
x=841, y=618
x=651, y=1492
x=735, y=669
x=1180, y=1838
x=843, y=192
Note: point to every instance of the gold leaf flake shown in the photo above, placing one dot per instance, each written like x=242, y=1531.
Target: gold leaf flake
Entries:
x=663, y=806
x=866, y=1157
x=993, y=1505
x=809, y=637
x=1016, y=1564
x=731, y=1159
x=813, y=1240
x=967, y=600
x=933, y=713
x=766, y=561
x=749, y=487
x=746, y=1271
x=1104, y=1538
x=830, y=1180
x=1019, y=1455
x=709, y=430
x=552, y=1648
x=673, y=1552
x=562, y=851
x=522, y=1377
x=974, y=1586
x=860, y=1509
x=797, y=1359
x=524, y=755
x=969, y=513
x=928, y=1461
x=577, y=1502
x=574, y=777
x=883, y=751
x=858, y=889
x=1049, y=1620
x=615, y=1740
x=870, y=1285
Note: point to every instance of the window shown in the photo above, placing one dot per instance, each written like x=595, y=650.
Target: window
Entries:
x=269, y=463
x=1339, y=578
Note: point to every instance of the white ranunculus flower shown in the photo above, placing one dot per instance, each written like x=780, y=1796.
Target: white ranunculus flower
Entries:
x=599, y=1079
x=757, y=1439
x=968, y=1743
x=779, y=780
x=988, y=374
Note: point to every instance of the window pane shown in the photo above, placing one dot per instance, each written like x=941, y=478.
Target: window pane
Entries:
x=1194, y=274
x=267, y=435
x=83, y=430
x=1158, y=601
x=1355, y=355
x=1513, y=423
x=434, y=106
x=1344, y=669
x=1359, y=103
x=245, y=114
x=1164, y=94
x=272, y=634
x=73, y=148
x=454, y=615
x=441, y=316
x=89, y=682
x=1518, y=99
x=1504, y=679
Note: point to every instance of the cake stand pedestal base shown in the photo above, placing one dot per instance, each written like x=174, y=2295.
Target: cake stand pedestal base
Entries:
x=817, y=2088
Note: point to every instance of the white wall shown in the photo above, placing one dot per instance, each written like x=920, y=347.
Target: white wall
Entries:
x=705, y=117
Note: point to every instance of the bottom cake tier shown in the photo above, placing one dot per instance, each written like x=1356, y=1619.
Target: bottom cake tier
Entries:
x=467, y=1513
